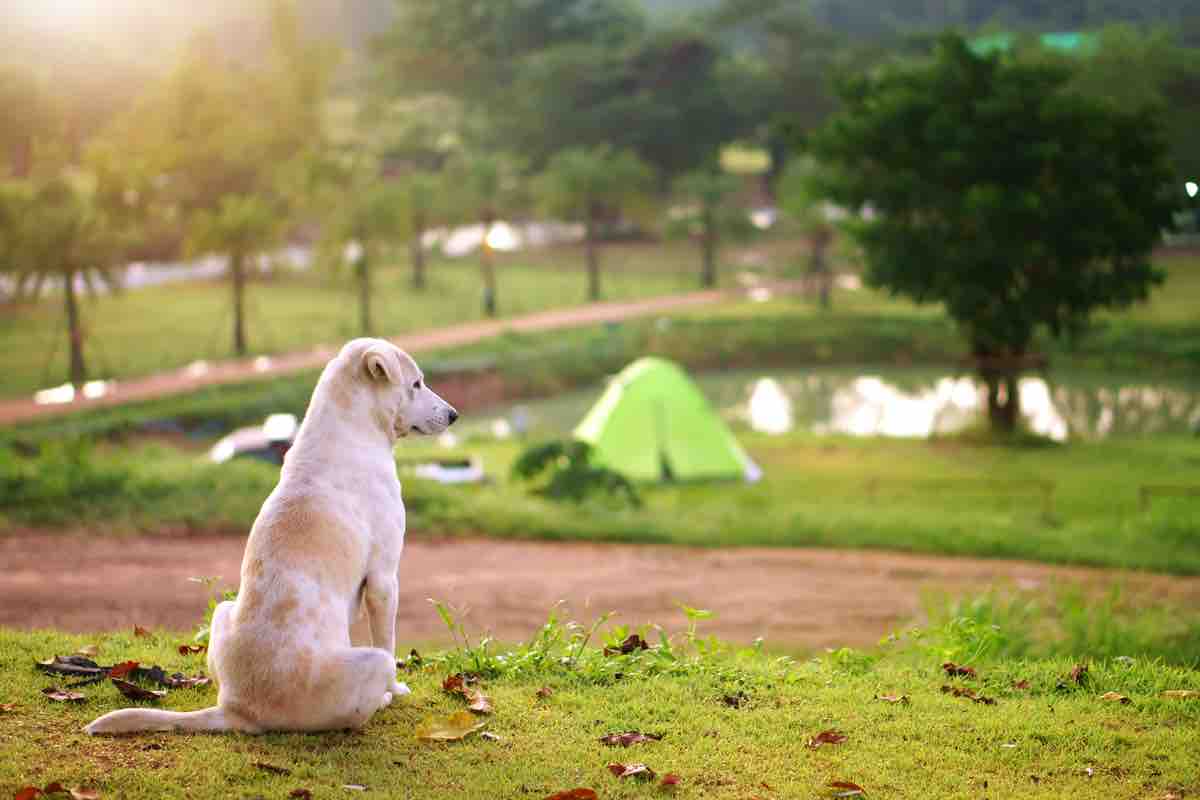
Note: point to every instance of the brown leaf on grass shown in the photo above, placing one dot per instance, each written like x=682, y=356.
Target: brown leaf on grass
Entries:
x=543, y=693
x=478, y=702
x=893, y=698
x=735, y=700
x=969, y=694
x=122, y=669
x=135, y=692
x=191, y=649
x=89, y=650
x=1021, y=684
x=7, y=707
x=629, y=738
x=1080, y=674
x=302, y=794
x=453, y=728
x=846, y=789
x=354, y=787
x=458, y=683
x=671, y=779
x=27, y=793
x=180, y=681
x=138, y=630
x=77, y=666
x=60, y=696
x=1114, y=697
x=956, y=670
x=639, y=771
x=631, y=643
x=574, y=794
x=1181, y=694
x=85, y=793
x=826, y=737
x=265, y=767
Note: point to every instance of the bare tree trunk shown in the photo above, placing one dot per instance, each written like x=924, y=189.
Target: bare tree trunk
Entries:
x=818, y=266
x=708, y=244
x=592, y=255
x=237, y=271
x=74, y=332
x=364, y=293
x=1001, y=374
x=488, y=265
x=417, y=252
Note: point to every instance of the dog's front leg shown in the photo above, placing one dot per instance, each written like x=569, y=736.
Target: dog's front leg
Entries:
x=383, y=596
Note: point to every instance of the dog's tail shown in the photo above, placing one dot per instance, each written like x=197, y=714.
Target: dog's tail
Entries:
x=132, y=720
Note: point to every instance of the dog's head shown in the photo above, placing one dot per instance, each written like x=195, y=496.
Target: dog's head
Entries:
x=392, y=386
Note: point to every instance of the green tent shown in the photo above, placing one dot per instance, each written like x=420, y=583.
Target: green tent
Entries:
x=653, y=423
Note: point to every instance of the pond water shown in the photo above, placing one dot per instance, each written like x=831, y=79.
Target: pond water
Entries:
x=894, y=401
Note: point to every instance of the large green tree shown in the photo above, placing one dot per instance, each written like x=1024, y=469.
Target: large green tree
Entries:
x=593, y=184
x=996, y=191
x=712, y=192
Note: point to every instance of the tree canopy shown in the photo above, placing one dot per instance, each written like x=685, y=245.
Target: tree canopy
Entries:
x=995, y=190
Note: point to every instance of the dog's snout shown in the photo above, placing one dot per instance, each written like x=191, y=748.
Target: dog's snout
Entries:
x=453, y=416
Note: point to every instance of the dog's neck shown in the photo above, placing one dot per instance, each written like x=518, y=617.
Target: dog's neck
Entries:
x=332, y=434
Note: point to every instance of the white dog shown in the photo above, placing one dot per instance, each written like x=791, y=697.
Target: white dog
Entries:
x=327, y=540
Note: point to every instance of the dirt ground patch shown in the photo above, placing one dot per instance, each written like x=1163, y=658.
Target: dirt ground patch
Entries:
x=794, y=598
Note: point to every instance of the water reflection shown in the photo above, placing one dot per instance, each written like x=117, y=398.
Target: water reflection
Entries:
x=895, y=401
x=908, y=404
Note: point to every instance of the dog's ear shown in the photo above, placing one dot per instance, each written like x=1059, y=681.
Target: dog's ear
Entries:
x=379, y=365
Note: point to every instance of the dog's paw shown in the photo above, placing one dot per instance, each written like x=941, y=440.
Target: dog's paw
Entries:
x=401, y=689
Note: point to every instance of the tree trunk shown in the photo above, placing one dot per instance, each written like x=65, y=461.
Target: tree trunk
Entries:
x=237, y=271
x=488, y=265
x=364, y=294
x=22, y=157
x=708, y=244
x=1001, y=374
x=818, y=267
x=417, y=253
x=592, y=255
x=74, y=332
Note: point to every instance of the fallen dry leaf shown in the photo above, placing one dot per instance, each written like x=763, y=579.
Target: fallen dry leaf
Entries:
x=574, y=794
x=459, y=683
x=1021, y=684
x=71, y=665
x=735, y=700
x=491, y=737
x=543, y=693
x=1181, y=694
x=265, y=767
x=191, y=649
x=303, y=794
x=135, y=692
x=629, y=738
x=847, y=789
x=639, y=771
x=893, y=698
x=826, y=737
x=631, y=643
x=969, y=694
x=1114, y=697
x=671, y=779
x=954, y=670
x=89, y=650
x=479, y=703
x=354, y=787
x=458, y=725
x=7, y=707
x=27, y=793
x=1080, y=674
x=122, y=669
x=180, y=681
x=138, y=630
x=83, y=793
x=61, y=696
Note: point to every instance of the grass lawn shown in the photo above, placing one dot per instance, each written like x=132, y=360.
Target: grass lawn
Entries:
x=154, y=329
x=956, y=496
x=734, y=725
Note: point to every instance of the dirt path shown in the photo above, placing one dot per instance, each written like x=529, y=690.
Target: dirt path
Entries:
x=234, y=371
x=806, y=598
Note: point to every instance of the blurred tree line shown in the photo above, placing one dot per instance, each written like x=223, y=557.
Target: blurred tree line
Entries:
x=232, y=127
